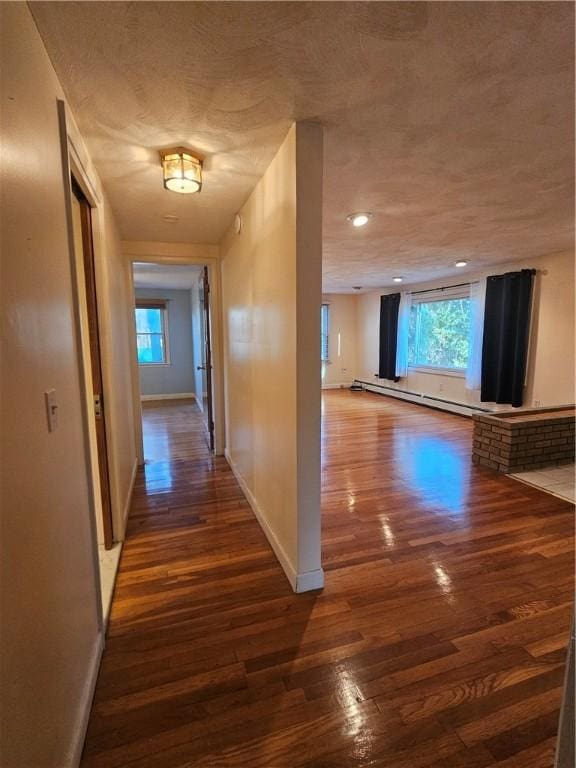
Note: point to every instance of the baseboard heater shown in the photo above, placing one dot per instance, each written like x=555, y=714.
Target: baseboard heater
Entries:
x=420, y=399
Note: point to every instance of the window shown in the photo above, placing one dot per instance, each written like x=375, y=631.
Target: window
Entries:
x=324, y=320
x=151, y=335
x=438, y=333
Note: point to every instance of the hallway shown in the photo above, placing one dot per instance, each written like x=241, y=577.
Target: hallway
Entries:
x=438, y=640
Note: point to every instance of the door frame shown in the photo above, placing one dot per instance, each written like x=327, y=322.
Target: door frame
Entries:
x=71, y=164
x=208, y=352
x=77, y=164
x=180, y=254
x=94, y=349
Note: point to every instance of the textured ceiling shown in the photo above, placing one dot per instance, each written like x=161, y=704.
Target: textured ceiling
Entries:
x=451, y=122
x=148, y=275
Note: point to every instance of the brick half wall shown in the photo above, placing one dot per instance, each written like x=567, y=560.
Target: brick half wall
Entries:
x=513, y=442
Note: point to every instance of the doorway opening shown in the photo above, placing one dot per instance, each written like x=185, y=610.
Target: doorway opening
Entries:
x=172, y=320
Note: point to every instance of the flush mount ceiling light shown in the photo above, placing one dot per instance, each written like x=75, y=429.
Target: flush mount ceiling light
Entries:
x=461, y=264
x=397, y=279
x=182, y=171
x=359, y=219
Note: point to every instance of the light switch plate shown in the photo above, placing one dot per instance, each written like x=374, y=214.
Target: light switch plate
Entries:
x=51, y=409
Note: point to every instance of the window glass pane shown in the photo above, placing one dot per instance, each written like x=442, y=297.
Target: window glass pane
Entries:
x=438, y=335
x=150, y=335
x=148, y=320
x=324, y=333
x=150, y=347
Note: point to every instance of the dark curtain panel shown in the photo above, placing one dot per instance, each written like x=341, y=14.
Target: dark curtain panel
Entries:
x=505, y=344
x=389, y=306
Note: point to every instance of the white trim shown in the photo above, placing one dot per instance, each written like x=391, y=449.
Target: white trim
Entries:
x=420, y=399
x=309, y=581
x=300, y=582
x=80, y=172
x=128, y=501
x=170, y=396
x=134, y=369
x=79, y=733
x=459, y=373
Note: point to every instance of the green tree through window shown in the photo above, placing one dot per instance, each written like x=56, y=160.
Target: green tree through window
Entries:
x=438, y=334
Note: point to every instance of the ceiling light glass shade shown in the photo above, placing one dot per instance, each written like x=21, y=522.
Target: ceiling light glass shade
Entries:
x=460, y=263
x=398, y=279
x=182, y=171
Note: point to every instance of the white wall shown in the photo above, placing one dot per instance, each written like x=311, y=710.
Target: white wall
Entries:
x=178, y=376
x=550, y=377
x=50, y=603
x=271, y=288
x=341, y=340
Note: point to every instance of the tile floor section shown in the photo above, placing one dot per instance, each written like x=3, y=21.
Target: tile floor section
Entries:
x=108, y=559
x=559, y=481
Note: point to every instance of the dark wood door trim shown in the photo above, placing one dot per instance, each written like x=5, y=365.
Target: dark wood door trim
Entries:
x=208, y=346
x=98, y=403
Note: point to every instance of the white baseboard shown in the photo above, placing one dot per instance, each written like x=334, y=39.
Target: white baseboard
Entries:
x=310, y=580
x=340, y=385
x=79, y=735
x=171, y=396
x=128, y=501
x=300, y=582
x=430, y=401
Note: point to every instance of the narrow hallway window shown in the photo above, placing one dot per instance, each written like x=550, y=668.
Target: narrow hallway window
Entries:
x=324, y=323
x=151, y=336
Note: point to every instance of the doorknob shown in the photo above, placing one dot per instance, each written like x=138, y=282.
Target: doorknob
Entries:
x=200, y=367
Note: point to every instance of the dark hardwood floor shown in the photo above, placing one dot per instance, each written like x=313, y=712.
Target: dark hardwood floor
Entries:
x=439, y=639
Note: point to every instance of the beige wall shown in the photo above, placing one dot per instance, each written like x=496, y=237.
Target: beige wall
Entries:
x=341, y=340
x=550, y=379
x=51, y=627
x=271, y=289
x=116, y=324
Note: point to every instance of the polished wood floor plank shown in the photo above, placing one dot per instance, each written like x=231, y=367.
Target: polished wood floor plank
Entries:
x=439, y=639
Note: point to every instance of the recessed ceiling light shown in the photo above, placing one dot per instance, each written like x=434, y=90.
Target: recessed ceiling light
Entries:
x=398, y=279
x=461, y=264
x=359, y=219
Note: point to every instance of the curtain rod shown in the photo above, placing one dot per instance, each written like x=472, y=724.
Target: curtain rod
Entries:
x=444, y=288
x=461, y=285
